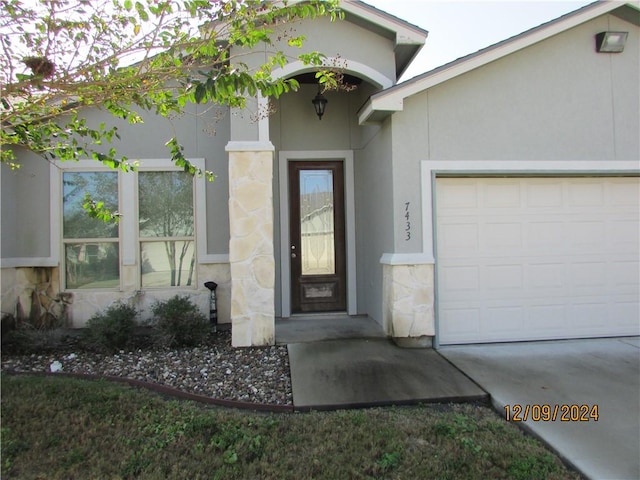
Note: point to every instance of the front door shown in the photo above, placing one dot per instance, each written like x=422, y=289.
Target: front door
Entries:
x=317, y=249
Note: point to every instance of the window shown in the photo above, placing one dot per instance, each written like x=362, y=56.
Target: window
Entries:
x=166, y=229
x=153, y=245
x=91, y=246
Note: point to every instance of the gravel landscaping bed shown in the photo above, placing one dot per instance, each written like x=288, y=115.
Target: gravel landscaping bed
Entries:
x=256, y=375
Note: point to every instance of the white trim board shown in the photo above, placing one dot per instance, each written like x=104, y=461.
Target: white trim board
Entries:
x=350, y=221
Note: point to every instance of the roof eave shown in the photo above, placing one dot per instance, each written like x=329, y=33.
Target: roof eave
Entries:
x=408, y=38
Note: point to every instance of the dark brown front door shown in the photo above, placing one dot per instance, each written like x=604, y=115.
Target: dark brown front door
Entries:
x=318, y=272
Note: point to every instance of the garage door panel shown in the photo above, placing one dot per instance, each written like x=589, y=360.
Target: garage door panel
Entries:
x=461, y=278
x=589, y=274
x=547, y=317
x=503, y=276
x=503, y=319
x=590, y=316
x=502, y=195
x=624, y=234
x=585, y=193
x=545, y=193
x=625, y=193
x=459, y=237
x=555, y=259
x=459, y=196
x=587, y=235
x=626, y=315
x=542, y=234
x=494, y=237
x=461, y=323
x=626, y=274
x=545, y=275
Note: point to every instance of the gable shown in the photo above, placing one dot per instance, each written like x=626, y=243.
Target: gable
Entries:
x=366, y=35
x=384, y=103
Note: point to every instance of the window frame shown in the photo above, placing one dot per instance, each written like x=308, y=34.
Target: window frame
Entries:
x=82, y=167
x=140, y=239
x=128, y=229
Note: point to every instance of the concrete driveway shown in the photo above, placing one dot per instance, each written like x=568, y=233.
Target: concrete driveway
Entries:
x=595, y=372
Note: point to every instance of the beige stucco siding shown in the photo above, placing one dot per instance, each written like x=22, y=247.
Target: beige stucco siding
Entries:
x=556, y=100
x=294, y=124
x=374, y=207
x=340, y=39
x=25, y=214
x=408, y=150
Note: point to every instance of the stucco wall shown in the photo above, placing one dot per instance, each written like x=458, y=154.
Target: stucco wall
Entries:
x=25, y=207
x=556, y=100
x=374, y=215
x=294, y=124
x=340, y=39
x=407, y=222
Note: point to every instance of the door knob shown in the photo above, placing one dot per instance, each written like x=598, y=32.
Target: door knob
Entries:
x=293, y=255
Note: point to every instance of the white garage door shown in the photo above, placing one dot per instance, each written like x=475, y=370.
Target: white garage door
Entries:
x=537, y=258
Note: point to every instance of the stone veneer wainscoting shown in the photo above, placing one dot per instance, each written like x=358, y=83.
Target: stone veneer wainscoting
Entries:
x=408, y=304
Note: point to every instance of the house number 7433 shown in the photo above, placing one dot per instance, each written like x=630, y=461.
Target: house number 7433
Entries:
x=407, y=225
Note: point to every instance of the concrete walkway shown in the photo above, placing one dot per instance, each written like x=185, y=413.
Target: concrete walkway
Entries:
x=365, y=372
x=595, y=372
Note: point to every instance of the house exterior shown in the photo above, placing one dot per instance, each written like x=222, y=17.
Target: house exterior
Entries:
x=496, y=198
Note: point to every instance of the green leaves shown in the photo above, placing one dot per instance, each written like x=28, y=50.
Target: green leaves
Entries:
x=142, y=13
x=97, y=209
x=134, y=59
x=177, y=157
x=200, y=92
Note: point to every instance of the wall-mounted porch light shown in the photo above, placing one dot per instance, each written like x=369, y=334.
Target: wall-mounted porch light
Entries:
x=611, y=42
x=319, y=102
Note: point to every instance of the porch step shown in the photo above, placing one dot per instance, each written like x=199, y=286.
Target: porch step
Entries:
x=321, y=327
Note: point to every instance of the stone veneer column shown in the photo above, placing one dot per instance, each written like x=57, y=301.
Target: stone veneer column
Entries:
x=408, y=304
x=251, y=254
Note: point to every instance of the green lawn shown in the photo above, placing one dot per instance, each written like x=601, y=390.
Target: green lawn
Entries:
x=61, y=428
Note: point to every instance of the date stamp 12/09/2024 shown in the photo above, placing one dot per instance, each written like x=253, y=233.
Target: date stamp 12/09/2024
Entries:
x=551, y=413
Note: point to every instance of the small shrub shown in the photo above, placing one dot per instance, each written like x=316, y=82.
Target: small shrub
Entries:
x=179, y=323
x=112, y=329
